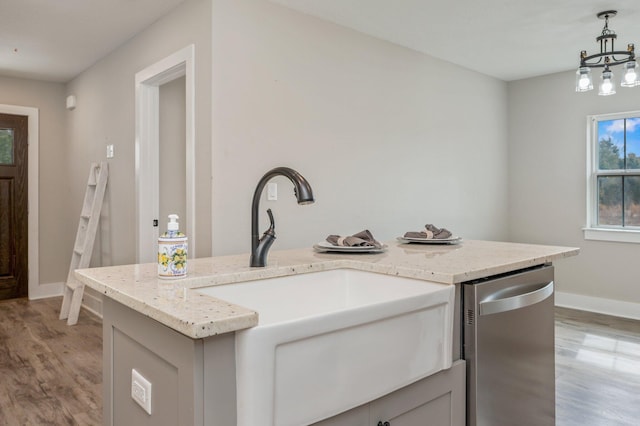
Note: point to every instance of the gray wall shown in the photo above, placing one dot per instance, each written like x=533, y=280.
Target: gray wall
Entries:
x=106, y=115
x=547, y=191
x=390, y=139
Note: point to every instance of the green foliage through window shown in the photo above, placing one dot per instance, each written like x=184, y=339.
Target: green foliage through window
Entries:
x=618, y=174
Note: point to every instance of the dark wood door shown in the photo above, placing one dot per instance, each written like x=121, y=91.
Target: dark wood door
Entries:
x=13, y=206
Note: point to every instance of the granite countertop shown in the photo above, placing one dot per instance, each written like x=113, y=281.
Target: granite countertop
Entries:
x=175, y=304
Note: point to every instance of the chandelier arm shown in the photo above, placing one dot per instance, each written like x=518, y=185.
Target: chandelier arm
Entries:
x=583, y=61
x=628, y=58
x=624, y=53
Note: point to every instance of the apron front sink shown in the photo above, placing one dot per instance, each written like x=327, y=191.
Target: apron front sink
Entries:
x=329, y=341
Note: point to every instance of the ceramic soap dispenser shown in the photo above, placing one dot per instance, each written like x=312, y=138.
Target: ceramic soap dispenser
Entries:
x=172, y=251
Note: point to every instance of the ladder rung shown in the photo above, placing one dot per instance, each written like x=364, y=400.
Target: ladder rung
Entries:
x=73, y=285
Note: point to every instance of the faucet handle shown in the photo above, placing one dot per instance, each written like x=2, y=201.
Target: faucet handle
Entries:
x=259, y=255
x=272, y=227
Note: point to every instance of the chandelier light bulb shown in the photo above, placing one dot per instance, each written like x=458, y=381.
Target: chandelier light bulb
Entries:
x=606, y=84
x=584, y=82
x=583, y=79
x=630, y=76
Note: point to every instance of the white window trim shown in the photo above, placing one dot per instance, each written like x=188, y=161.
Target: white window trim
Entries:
x=593, y=231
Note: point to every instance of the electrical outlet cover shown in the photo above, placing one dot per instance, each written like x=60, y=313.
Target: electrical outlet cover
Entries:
x=141, y=390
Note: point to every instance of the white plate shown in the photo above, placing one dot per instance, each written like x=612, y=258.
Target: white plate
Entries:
x=326, y=246
x=450, y=240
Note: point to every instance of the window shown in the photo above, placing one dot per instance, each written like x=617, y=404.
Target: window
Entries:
x=6, y=146
x=613, y=198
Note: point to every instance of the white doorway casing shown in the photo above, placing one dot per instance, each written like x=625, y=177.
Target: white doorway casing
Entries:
x=147, y=149
x=36, y=291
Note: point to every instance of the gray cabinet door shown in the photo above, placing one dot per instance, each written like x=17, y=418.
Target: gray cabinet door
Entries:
x=358, y=416
x=438, y=400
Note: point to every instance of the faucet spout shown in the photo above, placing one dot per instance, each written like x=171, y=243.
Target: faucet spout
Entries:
x=304, y=195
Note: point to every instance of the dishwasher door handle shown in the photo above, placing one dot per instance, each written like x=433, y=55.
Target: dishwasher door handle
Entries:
x=495, y=306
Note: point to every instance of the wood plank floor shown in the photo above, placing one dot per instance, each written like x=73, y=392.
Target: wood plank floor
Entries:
x=597, y=370
x=51, y=374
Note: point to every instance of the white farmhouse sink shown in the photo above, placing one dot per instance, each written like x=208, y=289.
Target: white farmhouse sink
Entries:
x=330, y=341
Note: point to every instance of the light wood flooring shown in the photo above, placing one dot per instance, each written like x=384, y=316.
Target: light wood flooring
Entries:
x=597, y=370
x=51, y=374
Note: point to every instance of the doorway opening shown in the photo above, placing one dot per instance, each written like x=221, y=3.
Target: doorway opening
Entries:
x=148, y=144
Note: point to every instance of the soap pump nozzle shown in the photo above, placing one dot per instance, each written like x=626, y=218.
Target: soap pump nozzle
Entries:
x=173, y=223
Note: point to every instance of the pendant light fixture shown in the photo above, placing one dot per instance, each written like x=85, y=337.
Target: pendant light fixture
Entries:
x=607, y=58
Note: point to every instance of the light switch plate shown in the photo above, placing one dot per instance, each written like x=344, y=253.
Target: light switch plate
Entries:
x=272, y=191
x=141, y=390
x=110, y=151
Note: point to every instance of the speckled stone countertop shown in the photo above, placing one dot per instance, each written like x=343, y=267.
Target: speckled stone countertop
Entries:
x=175, y=304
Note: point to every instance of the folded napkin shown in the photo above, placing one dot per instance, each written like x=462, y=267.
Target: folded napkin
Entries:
x=430, y=233
x=361, y=239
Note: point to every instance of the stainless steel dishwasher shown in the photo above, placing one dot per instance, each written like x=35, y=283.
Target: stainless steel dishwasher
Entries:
x=508, y=344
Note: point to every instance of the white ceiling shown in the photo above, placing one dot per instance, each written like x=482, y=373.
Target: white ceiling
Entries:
x=55, y=40
x=507, y=39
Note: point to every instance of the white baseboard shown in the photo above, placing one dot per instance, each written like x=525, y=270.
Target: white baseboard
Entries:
x=616, y=308
x=46, y=290
x=91, y=300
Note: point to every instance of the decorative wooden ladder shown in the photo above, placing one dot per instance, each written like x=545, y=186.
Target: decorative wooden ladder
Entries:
x=85, y=237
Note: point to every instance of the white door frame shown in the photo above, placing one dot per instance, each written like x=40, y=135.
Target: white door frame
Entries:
x=147, y=149
x=35, y=291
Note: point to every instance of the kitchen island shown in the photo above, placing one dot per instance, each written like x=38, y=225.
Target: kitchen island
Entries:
x=186, y=337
